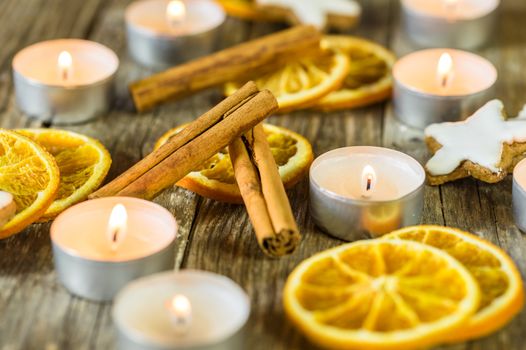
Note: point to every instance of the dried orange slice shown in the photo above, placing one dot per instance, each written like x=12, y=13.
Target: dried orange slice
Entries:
x=215, y=178
x=247, y=9
x=83, y=164
x=381, y=295
x=30, y=174
x=368, y=78
x=301, y=84
x=498, y=277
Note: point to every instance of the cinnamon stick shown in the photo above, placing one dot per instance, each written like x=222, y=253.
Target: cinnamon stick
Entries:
x=244, y=115
x=193, y=130
x=263, y=193
x=239, y=62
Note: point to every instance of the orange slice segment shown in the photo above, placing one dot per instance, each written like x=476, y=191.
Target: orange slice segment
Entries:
x=301, y=84
x=247, y=9
x=499, y=280
x=215, y=178
x=368, y=78
x=30, y=174
x=380, y=294
x=83, y=164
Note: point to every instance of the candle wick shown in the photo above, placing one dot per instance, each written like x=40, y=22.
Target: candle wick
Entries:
x=65, y=75
x=114, y=239
x=368, y=187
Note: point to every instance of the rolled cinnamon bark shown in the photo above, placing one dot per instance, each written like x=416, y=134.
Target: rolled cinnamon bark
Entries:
x=263, y=193
x=193, y=130
x=190, y=156
x=239, y=62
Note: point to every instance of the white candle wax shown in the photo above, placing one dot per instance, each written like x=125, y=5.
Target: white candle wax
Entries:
x=82, y=230
x=91, y=62
x=341, y=172
x=471, y=74
x=151, y=16
x=452, y=9
x=219, y=309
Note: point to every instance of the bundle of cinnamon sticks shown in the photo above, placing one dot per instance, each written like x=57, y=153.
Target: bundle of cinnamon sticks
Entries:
x=234, y=122
x=263, y=193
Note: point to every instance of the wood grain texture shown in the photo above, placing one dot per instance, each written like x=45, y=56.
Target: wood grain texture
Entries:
x=37, y=313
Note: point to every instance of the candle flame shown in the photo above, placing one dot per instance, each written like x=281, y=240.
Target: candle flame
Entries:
x=368, y=181
x=180, y=311
x=117, y=226
x=65, y=64
x=445, y=70
x=175, y=12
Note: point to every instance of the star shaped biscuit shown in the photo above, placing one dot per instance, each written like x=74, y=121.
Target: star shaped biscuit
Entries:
x=485, y=146
x=320, y=13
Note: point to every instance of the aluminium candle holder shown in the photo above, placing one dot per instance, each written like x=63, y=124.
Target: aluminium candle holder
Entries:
x=219, y=311
x=419, y=109
x=39, y=93
x=352, y=219
x=76, y=243
x=419, y=99
x=519, y=195
x=462, y=33
x=157, y=47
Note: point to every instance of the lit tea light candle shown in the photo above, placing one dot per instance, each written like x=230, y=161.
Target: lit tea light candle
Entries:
x=65, y=81
x=437, y=85
x=463, y=24
x=183, y=310
x=359, y=192
x=519, y=195
x=162, y=33
x=100, y=245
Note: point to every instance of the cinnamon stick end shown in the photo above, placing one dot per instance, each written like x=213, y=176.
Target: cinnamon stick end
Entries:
x=281, y=244
x=137, y=100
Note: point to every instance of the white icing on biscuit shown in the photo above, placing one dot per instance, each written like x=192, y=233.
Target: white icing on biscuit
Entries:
x=315, y=12
x=479, y=139
x=522, y=113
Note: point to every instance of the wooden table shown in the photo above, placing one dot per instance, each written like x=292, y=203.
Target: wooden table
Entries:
x=37, y=313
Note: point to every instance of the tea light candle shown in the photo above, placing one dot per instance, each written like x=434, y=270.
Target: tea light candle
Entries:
x=463, y=24
x=519, y=195
x=65, y=81
x=162, y=33
x=100, y=245
x=187, y=309
x=359, y=192
x=437, y=85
